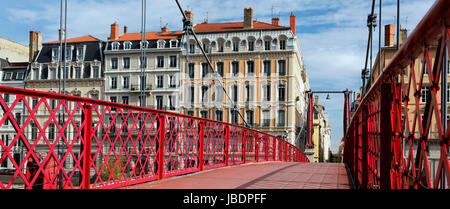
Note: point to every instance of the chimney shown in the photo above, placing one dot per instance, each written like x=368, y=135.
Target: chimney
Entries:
x=316, y=100
x=389, y=35
x=125, y=29
x=114, y=31
x=165, y=29
x=403, y=36
x=248, y=18
x=189, y=15
x=62, y=35
x=35, y=44
x=275, y=21
x=292, y=23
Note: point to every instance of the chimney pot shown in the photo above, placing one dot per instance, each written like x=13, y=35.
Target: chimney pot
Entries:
x=389, y=35
x=292, y=23
x=248, y=18
x=165, y=29
x=114, y=31
x=276, y=21
x=125, y=29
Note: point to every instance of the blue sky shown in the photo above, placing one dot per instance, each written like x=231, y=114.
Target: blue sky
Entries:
x=332, y=34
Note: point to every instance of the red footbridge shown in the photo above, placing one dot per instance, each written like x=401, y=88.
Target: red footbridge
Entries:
x=69, y=142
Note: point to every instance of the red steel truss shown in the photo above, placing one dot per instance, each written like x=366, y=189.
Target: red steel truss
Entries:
x=101, y=144
x=387, y=144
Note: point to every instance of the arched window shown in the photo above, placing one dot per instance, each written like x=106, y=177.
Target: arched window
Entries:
x=115, y=46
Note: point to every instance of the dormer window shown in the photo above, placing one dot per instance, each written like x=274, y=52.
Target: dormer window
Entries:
x=115, y=46
x=55, y=54
x=161, y=44
x=80, y=53
x=173, y=43
x=144, y=44
x=127, y=45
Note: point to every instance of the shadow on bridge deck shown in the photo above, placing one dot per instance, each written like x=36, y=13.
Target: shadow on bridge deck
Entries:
x=270, y=175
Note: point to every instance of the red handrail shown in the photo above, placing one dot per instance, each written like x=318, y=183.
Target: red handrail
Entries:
x=99, y=144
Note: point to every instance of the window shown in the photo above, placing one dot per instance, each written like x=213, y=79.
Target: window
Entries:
x=250, y=116
x=80, y=53
x=204, y=93
x=267, y=67
x=172, y=81
x=161, y=44
x=126, y=63
x=192, y=48
x=266, y=118
x=249, y=92
x=250, y=67
x=220, y=46
x=9, y=75
x=34, y=130
x=53, y=73
x=34, y=102
x=160, y=61
x=35, y=74
x=143, y=62
x=283, y=44
x=219, y=115
x=143, y=82
x=173, y=43
x=159, y=102
x=51, y=131
x=55, y=54
x=281, y=117
x=267, y=45
x=96, y=71
x=125, y=100
x=218, y=94
x=113, y=99
x=115, y=46
x=191, y=70
x=235, y=46
x=424, y=92
x=205, y=69
x=160, y=81
x=204, y=114
x=77, y=72
x=127, y=45
x=206, y=47
x=235, y=67
x=234, y=116
x=94, y=96
x=192, y=94
x=114, y=63
x=235, y=93
x=19, y=76
x=144, y=44
x=282, y=67
x=142, y=101
x=251, y=45
x=113, y=82
x=68, y=53
x=126, y=82
x=281, y=92
x=267, y=92
x=220, y=68
x=171, y=100
x=173, y=61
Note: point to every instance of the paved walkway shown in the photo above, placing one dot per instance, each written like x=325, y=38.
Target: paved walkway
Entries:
x=269, y=175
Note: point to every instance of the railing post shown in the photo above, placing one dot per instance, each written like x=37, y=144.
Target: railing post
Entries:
x=355, y=150
x=267, y=148
x=256, y=148
x=87, y=147
x=386, y=135
x=365, y=138
x=274, y=149
x=285, y=151
x=227, y=144
x=244, y=147
x=201, y=139
x=162, y=136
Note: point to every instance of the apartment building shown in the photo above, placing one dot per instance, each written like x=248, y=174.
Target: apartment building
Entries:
x=260, y=66
x=124, y=65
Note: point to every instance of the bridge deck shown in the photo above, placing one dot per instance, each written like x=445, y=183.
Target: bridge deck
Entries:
x=270, y=175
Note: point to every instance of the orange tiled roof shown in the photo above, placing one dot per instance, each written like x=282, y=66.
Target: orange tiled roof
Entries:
x=150, y=36
x=77, y=39
x=233, y=26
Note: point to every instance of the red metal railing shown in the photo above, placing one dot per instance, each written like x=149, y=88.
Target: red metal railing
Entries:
x=63, y=141
x=398, y=127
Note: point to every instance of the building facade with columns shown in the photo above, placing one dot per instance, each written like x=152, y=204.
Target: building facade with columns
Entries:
x=260, y=66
